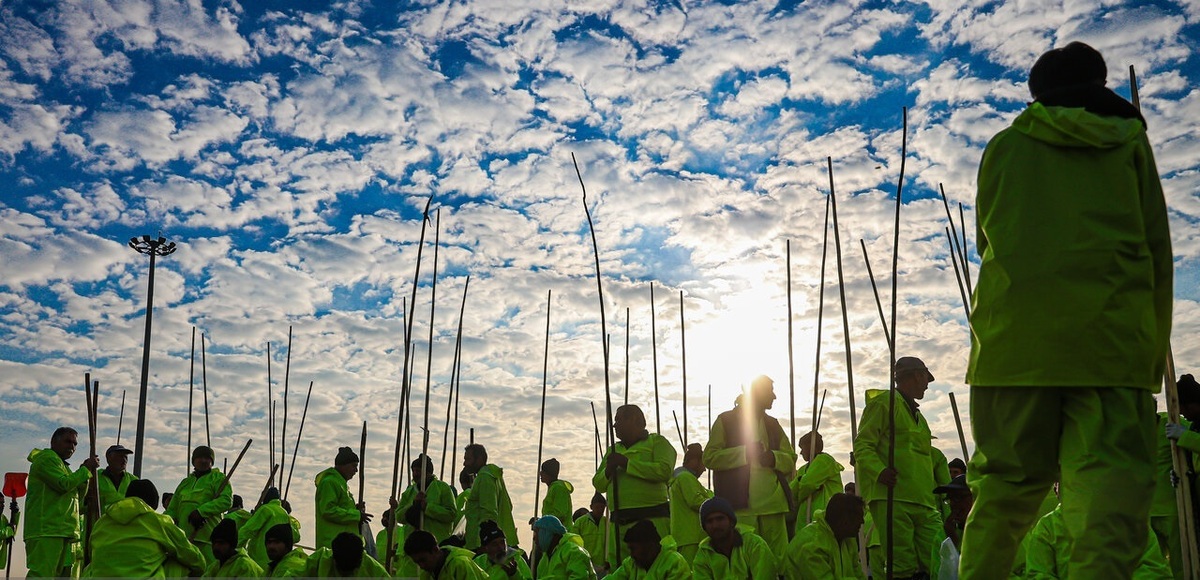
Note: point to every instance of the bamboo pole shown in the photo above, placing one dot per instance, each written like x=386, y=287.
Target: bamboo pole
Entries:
x=262, y=495
x=791, y=357
x=596, y=423
x=820, y=314
x=683, y=369
x=966, y=264
x=1183, y=490
x=654, y=357
x=204, y=384
x=962, y=291
x=537, y=488
x=299, y=434
x=837, y=245
x=93, y=491
x=270, y=412
x=362, y=464
x=962, y=436
x=457, y=398
x=891, y=490
x=958, y=253
x=424, y=458
x=875, y=291
x=287, y=373
x=121, y=418
x=682, y=440
x=453, y=379
x=187, y=463
x=710, y=422
x=626, y=355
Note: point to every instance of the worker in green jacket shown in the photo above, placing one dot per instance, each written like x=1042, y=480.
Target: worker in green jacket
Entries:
x=500, y=561
x=267, y=516
x=402, y=566
x=562, y=554
x=230, y=561
x=436, y=503
x=113, y=480
x=132, y=540
x=441, y=563
x=730, y=550
x=52, y=506
x=1076, y=258
x=752, y=462
x=592, y=527
x=634, y=474
x=200, y=500
x=827, y=548
x=651, y=557
x=287, y=561
x=687, y=495
x=336, y=510
x=1049, y=552
x=916, y=522
x=489, y=498
x=1164, y=513
x=237, y=511
x=7, y=531
x=557, y=502
x=816, y=481
x=346, y=559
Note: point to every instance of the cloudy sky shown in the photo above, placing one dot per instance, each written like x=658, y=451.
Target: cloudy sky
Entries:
x=288, y=148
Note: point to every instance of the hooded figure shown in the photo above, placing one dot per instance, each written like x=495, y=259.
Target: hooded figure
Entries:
x=132, y=540
x=557, y=502
x=651, y=557
x=730, y=550
x=499, y=560
x=229, y=560
x=562, y=552
x=200, y=500
x=267, y=516
x=286, y=561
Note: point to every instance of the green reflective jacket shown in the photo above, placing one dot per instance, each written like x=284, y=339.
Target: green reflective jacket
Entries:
x=669, y=565
x=336, y=510
x=644, y=481
x=914, y=460
x=402, y=565
x=239, y=517
x=768, y=493
x=133, y=541
x=495, y=570
x=489, y=501
x=687, y=495
x=557, y=502
x=253, y=534
x=458, y=565
x=110, y=493
x=1073, y=197
x=440, y=510
x=818, y=479
x=815, y=554
x=1048, y=552
x=54, y=493
x=200, y=494
x=7, y=531
x=240, y=565
x=595, y=540
x=321, y=565
x=292, y=565
x=751, y=558
x=568, y=561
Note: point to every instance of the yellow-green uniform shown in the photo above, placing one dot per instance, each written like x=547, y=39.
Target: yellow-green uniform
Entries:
x=7, y=531
x=336, y=510
x=402, y=565
x=489, y=500
x=917, y=524
x=440, y=509
x=751, y=558
x=112, y=491
x=52, y=514
x=687, y=495
x=292, y=565
x=132, y=540
x=557, y=502
x=1072, y=197
x=568, y=561
x=592, y=531
x=320, y=564
x=1164, y=510
x=816, y=554
x=458, y=565
x=642, y=487
x=941, y=476
x=239, y=565
x=669, y=565
x=818, y=479
x=496, y=571
x=205, y=494
x=253, y=533
x=1048, y=552
x=239, y=517
x=759, y=494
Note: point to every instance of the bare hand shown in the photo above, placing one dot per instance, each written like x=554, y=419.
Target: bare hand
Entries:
x=888, y=477
x=765, y=458
x=616, y=463
x=420, y=500
x=92, y=463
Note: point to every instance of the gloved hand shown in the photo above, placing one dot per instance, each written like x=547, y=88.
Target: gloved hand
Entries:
x=1174, y=431
x=195, y=519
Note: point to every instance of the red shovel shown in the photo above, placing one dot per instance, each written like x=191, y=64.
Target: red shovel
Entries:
x=14, y=487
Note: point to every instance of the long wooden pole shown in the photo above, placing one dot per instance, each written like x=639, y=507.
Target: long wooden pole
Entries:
x=682, y=440
x=654, y=357
x=710, y=422
x=457, y=398
x=121, y=418
x=362, y=463
x=187, y=462
x=891, y=490
x=820, y=314
x=270, y=412
x=424, y=458
x=626, y=355
x=596, y=423
x=683, y=368
x=537, y=485
x=875, y=291
x=962, y=290
x=453, y=379
x=93, y=491
x=791, y=356
x=837, y=245
x=962, y=436
x=299, y=434
x=204, y=385
x=287, y=373
x=957, y=249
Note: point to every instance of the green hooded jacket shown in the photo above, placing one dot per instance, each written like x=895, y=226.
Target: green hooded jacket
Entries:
x=669, y=565
x=751, y=558
x=459, y=565
x=557, y=502
x=815, y=554
x=240, y=565
x=336, y=510
x=914, y=460
x=687, y=495
x=110, y=493
x=495, y=570
x=644, y=481
x=1048, y=552
x=440, y=509
x=568, y=561
x=293, y=565
x=7, y=531
x=253, y=534
x=200, y=494
x=489, y=501
x=402, y=565
x=322, y=565
x=54, y=493
x=131, y=540
x=594, y=538
x=1075, y=255
x=818, y=479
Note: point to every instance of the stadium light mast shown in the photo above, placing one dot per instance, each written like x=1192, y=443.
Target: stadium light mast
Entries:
x=153, y=248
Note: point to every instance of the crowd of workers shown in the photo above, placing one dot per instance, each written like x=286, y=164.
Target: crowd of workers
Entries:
x=1070, y=477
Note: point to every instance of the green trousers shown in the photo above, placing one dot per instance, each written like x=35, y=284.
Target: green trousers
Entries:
x=1097, y=442
x=917, y=530
x=50, y=558
x=1166, y=529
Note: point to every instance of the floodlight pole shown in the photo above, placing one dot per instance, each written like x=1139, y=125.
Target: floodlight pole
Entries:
x=153, y=248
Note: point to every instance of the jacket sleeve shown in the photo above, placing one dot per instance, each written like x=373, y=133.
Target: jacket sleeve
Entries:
x=1190, y=440
x=177, y=546
x=600, y=480
x=702, y=568
x=621, y=573
x=717, y=456
x=330, y=504
x=762, y=561
x=785, y=457
x=692, y=493
x=222, y=498
x=579, y=566
x=867, y=457
x=677, y=569
x=557, y=503
x=252, y=527
x=50, y=469
x=439, y=504
x=823, y=468
x=1040, y=561
x=487, y=496
x=655, y=466
x=810, y=563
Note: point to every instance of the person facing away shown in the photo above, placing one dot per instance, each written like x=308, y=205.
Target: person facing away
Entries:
x=336, y=510
x=52, y=506
x=1075, y=258
x=827, y=548
x=113, y=480
x=634, y=474
x=229, y=560
x=434, y=508
x=562, y=554
x=651, y=557
x=441, y=563
x=489, y=498
x=752, y=461
x=267, y=516
x=730, y=550
x=499, y=560
x=133, y=540
x=345, y=559
x=557, y=502
x=200, y=500
x=687, y=495
x=592, y=527
x=917, y=523
x=287, y=561
x=816, y=481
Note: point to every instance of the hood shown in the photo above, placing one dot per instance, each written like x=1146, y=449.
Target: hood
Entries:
x=1076, y=127
x=125, y=511
x=566, y=484
x=491, y=470
x=35, y=452
x=328, y=472
x=573, y=538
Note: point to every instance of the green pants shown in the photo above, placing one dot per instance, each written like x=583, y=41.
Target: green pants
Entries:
x=1098, y=442
x=771, y=527
x=916, y=528
x=1166, y=529
x=50, y=557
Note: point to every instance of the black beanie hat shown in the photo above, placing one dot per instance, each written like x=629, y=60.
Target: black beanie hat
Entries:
x=1071, y=65
x=226, y=531
x=143, y=489
x=489, y=531
x=282, y=533
x=642, y=532
x=345, y=455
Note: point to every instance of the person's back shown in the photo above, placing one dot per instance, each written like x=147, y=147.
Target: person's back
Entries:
x=1048, y=552
x=489, y=500
x=267, y=516
x=131, y=540
x=568, y=561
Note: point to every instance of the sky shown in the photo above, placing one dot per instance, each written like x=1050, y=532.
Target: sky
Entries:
x=289, y=148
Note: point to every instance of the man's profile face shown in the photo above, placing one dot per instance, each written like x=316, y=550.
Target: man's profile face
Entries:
x=718, y=526
x=914, y=384
x=628, y=424
x=496, y=548
x=348, y=470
